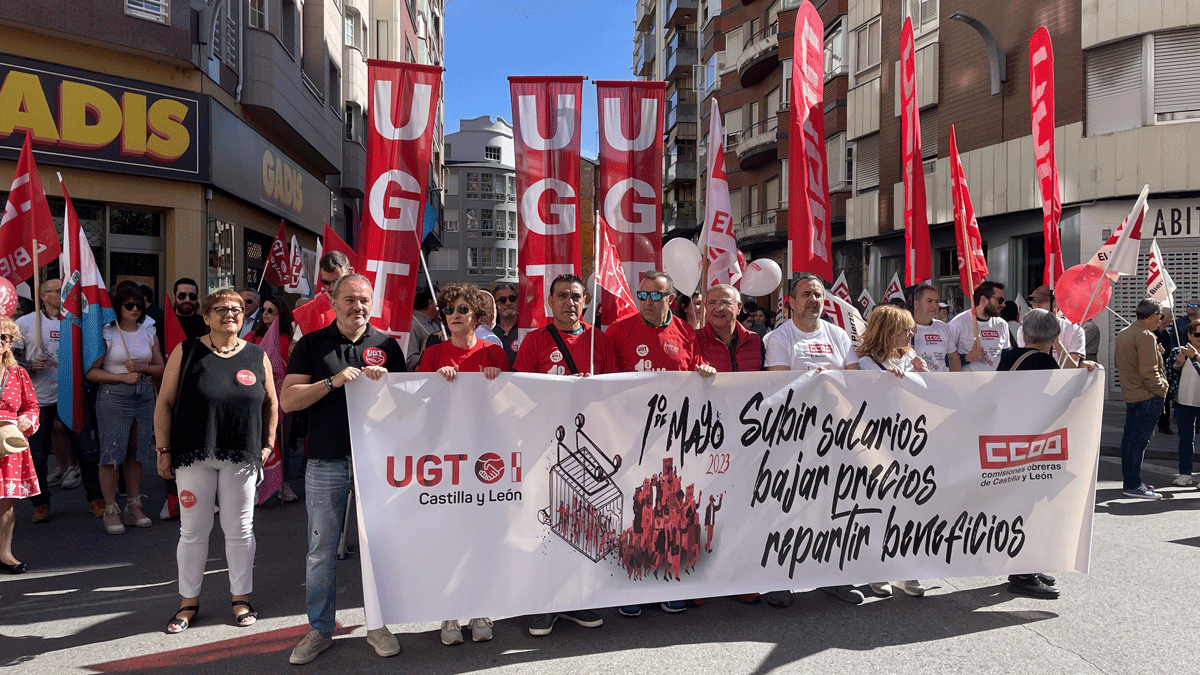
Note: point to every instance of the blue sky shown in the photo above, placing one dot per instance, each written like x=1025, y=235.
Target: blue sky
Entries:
x=488, y=40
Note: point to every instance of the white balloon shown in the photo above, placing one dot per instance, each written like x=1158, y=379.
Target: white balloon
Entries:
x=760, y=277
x=681, y=259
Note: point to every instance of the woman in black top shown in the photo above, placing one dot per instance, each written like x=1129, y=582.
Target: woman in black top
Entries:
x=215, y=424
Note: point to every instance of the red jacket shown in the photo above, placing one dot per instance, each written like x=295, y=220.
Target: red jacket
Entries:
x=749, y=349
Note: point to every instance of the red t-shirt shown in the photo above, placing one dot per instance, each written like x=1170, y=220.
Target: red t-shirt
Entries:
x=540, y=354
x=641, y=348
x=471, y=360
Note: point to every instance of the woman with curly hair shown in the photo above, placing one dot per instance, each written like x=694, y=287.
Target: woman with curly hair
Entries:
x=19, y=407
x=885, y=343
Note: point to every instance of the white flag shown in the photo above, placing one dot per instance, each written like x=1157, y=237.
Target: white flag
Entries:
x=845, y=315
x=894, y=289
x=841, y=288
x=717, y=240
x=1119, y=255
x=297, y=278
x=866, y=302
x=1159, y=285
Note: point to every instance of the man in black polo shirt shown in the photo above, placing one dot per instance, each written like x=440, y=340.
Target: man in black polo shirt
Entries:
x=321, y=365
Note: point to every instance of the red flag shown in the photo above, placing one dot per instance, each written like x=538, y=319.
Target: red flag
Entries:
x=546, y=119
x=629, y=178
x=26, y=217
x=401, y=119
x=808, y=179
x=918, y=265
x=332, y=242
x=972, y=264
x=314, y=314
x=1041, y=111
x=716, y=239
x=277, y=269
x=173, y=330
x=617, y=301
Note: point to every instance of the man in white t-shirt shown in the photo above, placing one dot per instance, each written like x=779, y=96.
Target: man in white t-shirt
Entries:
x=982, y=354
x=933, y=340
x=1068, y=350
x=806, y=342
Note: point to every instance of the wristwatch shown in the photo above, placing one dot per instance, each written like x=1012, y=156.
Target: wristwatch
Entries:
x=329, y=383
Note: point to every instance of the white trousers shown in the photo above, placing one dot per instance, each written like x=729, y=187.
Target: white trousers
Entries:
x=199, y=487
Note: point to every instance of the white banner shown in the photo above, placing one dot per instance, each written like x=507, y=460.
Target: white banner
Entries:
x=532, y=493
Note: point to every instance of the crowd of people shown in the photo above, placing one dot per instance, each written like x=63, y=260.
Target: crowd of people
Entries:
x=220, y=411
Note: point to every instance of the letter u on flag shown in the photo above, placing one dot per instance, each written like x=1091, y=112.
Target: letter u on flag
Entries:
x=26, y=218
x=401, y=114
x=546, y=119
x=809, y=247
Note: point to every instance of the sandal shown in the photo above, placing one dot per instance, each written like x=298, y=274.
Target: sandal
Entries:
x=178, y=625
x=248, y=614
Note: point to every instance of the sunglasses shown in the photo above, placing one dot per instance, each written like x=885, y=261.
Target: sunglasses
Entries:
x=269, y=310
x=653, y=295
x=229, y=311
x=7, y=339
x=130, y=306
x=185, y=296
x=504, y=299
x=1195, y=334
x=461, y=309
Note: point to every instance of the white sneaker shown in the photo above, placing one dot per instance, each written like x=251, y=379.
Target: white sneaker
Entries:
x=481, y=629
x=71, y=478
x=288, y=494
x=1183, y=479
x=54, y=478
x=881, y=588
x=451, y=633
x=912, y=587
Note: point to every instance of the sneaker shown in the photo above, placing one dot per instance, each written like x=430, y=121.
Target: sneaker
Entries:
x=1142, y=491
x=631, y=611
x=71, y=478
x=383, y=641
x=451, y=633
x=289, y=495
x=1183, y=479
x=847, y=593
x=310, y=648
x=54, y=478
x=1032, y=586
x=481, y=629
x=584, y=617
x=542, y=624
x=674, y=606
x=912, y=587
x=41, y=513
x=779, y=599
x=882, y=589
x=96, y=508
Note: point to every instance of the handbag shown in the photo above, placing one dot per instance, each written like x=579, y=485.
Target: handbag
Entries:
x=12, y=439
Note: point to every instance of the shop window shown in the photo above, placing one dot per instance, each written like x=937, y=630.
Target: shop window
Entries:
x=220, y=255
x=135, y=223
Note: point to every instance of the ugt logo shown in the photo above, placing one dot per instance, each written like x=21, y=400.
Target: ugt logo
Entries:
x=429, y=470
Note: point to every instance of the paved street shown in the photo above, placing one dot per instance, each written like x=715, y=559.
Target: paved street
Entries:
x=98, y=603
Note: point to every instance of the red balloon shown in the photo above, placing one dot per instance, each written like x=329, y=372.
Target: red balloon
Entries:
x=8, y=297
x=1075, y=290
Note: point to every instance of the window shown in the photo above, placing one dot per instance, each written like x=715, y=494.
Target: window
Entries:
x=452, y=185
x=472, y=185
x=835, y=50
x=451, y=224
x=352, y=122
x=1176, y=87
x=287, y=25
x=924, y=15
x=472, y=261
x=512, y=261
x=444, y=260
x=492, y=152
x=929, y=133
x=867, y=46
x=335, y=87
x=151, y=10
x=835, y=148
x=867, y=156
x=472, y=221
x=485, y=186
x=382, y=48
x=512, y=188
x=351, y=30
x=1114, y=87
x=257, y=11
x=512, y=224
x=485, y=222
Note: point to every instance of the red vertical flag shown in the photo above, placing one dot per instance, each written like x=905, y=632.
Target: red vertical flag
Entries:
x=402, y=114
x=26, y=217
x=173, y=329
x=546, y=119
x=918, y=265
x=332, y=242
x=1041, y=112
x=972, y=264
x=617, y=300
x=629, y=177
x=808, y=179
x=277, y=268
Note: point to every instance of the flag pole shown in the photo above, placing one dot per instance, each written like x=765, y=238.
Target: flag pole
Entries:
x=962, y=225
x=1138, y=206
x=37, y=298
x=429, y=280
x=595, y=290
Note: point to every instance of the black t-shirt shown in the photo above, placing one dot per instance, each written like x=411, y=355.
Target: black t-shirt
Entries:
x=193, y=325
x=325, y=353
x=507, y=340
x=1037, y=360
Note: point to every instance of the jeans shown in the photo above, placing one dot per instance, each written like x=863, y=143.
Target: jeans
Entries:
x=205, y=482
x=327, y=485
x=83, y=445
x=1140, y=419
x=1188, y=418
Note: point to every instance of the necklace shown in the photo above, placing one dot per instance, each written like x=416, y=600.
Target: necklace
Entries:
x=223, y=351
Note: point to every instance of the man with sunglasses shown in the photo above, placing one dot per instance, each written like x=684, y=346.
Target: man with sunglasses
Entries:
x=506, y=319
x=186, y=301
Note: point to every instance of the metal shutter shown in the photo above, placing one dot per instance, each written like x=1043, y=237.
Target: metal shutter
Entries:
x=1176, y=64
x=1114, y=87
x=866, y=153
x=929, y=133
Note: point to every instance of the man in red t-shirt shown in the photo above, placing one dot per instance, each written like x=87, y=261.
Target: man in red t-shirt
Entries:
x=653, y=339
x=540, y=353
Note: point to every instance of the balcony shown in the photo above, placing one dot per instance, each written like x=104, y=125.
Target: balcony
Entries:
x=762, y=228
x=681, y=108
x=682, y=53
x=681, y=170
x=758, y=144
x=760, y=55
x=646, y=53
x=645, y=15
x=681, y=12
x=679, y=218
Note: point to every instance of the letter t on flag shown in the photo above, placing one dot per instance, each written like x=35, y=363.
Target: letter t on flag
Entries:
x=26, y=218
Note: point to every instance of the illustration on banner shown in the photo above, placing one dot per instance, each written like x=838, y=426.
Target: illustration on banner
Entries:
x=585, y=502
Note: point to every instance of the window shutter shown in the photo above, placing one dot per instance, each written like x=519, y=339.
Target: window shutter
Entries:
x=867, y=159
x=1176, y=64
x=1114, y=87
x=929, y=133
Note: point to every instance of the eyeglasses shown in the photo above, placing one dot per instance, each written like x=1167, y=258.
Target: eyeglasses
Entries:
x=724, y=302
x=7, y=339
x=461, y=309
x=185, y=296
x=229, y=311
x=653, y=295
x=503, y=299
x=130, y=306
